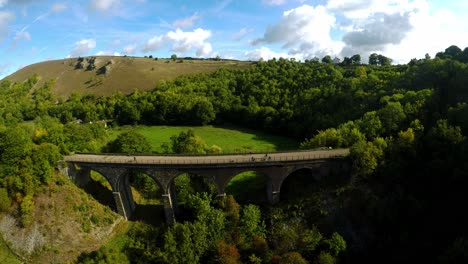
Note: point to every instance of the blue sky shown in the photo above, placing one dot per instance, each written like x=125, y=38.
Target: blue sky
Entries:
x=36, y=30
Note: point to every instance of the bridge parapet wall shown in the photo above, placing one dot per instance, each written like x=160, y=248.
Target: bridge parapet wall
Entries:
x=221, y=169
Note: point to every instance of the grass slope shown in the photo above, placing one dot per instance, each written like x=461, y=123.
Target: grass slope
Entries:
x=68, y=221
x=231, y=139
x=124, y=74
x=6, y=256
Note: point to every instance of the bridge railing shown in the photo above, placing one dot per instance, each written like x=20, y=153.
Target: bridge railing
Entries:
x=199, y=160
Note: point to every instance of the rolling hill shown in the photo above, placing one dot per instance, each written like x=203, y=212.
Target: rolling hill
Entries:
x=103, y=75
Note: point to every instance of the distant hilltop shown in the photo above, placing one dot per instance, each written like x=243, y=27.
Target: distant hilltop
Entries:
x=104, y=75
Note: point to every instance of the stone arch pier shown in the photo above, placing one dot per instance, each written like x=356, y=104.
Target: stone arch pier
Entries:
x=220, y=168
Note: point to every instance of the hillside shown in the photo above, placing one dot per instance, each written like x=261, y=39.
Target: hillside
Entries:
x=104, y=75
x=67, y=222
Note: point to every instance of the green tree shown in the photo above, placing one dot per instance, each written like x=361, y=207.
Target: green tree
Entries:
x=251, y=222
x=27, y=211
x=366, y=156
x=173, y=57
x=391, y=116
x=336, y=244
x=370, y=125
x=327, y=59
x=130, y=142
x=325, y=258
x=327, y=138
x=213, y=218
x=374, y=59
x=356, y=59
x=292, y=258
x=187, y=143
x=5, y=201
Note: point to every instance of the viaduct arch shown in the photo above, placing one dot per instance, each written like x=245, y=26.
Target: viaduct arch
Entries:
x=220, y=168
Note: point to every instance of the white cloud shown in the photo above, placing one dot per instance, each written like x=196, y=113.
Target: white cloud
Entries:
x=22, y=36
x=129, y=49
x=361, y=9
x=399, y=29
x=182, y=42
x=304, y=31
x=58, y=7
x=380, y=30
x=104, y=5
x=154, y=43
x=274, y=2
x=3, y=2
x=107, y=53
x=432, y=32
x=264, y=53
x=83, y=47
x=242, y=33
x=5, y=19
x=186, y=22
x=186, y=41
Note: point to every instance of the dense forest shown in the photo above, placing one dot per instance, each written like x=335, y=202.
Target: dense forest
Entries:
x=406, y=126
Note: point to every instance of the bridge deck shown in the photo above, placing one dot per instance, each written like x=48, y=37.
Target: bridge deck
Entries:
x=209, y=159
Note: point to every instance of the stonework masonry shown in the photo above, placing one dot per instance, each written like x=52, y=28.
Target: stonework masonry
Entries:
x=220, y=169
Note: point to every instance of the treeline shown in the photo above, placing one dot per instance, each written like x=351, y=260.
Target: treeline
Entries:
x=279, y=96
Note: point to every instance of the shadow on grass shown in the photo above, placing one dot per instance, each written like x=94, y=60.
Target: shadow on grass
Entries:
x=248, y=187
x=281, y=143
x=100, y=194
x=298, y=185
x=152, y=214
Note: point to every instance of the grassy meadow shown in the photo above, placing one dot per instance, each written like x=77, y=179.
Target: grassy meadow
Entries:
x=6, y=256
x=230, y=139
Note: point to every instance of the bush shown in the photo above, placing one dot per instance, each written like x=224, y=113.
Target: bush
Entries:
x=27, y=211
x=5, y=201
x=325, y=258
x=292, y=258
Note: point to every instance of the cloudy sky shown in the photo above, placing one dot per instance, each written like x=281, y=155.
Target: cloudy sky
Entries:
x=37, y=30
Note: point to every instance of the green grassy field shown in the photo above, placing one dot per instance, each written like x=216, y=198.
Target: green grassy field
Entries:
x=230, y=139
x=6, y=256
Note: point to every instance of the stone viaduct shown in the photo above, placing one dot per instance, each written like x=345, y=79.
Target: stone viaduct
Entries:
x=220, y=168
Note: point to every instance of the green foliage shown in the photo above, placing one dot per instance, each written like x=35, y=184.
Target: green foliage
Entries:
x=130, y=142
x=336, y=244
x=5, y=201
x=84, y=137
x=251, y=222
x=213, y=218
x=309, y=241
x=367, y=156
x=325, y=258
x=327, y=138
x=103, y=256
x=185, y=243
x=188, y=143
x=146, y=186
x=143, y=244
x=45, y=157
x=370, y=125
x=27, y=211
x=456, y=253
x=292, y=258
